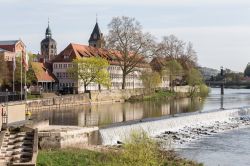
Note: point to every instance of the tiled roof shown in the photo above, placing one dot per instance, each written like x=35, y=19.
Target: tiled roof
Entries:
x=42, y=73
x=9, y=42
x=75, y=51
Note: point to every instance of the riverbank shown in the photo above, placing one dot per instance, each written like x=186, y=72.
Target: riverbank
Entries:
x=140, y=150
x=82, y=157
x=158, y=95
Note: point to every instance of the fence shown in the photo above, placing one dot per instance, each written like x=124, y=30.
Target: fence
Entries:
x=9, y=96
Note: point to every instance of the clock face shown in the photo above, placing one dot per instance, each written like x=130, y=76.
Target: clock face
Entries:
x=95, y=36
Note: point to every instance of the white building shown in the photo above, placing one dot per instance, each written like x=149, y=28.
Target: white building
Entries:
x=73, y=51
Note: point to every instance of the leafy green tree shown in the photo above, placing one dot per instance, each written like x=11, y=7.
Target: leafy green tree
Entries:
x=194, y=80
x=174, y=69
x=88, y=70
x=247, y=71
x=150, y=79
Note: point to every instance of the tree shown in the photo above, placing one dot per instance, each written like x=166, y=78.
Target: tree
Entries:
x=4, y=76
x=247, y=71
x=88, y=70
x=150, y=79
x=126, y=36
x=172, y=48
x=194, y=79
x=30, y=74
x=172, y=68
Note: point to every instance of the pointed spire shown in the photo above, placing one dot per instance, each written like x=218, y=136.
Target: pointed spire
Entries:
x=48, y=33
x=96, y=18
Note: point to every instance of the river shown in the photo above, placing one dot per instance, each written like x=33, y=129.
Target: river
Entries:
x=107, y=114
x=225, y=149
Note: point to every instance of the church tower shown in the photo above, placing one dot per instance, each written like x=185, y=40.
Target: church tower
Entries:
x=96, y=38
x=48, y=46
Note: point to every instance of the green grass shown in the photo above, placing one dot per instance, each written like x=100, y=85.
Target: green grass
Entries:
x=139, y=151
x=30, y=96
x=159, y=95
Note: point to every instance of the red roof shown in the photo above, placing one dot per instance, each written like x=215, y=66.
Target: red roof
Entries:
x=75, y=51
x=42, y=73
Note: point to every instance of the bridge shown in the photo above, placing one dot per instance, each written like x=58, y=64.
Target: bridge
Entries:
x=227, y=84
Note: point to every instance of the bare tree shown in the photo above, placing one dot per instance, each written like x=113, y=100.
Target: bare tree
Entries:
x=190, y=56
x=173, y=48
x=126, y=36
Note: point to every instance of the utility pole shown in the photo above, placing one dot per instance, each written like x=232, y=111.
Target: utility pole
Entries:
x=222, y=83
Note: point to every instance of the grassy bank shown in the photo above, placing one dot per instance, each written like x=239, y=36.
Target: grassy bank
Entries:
x=158, y=95
x=139, y=151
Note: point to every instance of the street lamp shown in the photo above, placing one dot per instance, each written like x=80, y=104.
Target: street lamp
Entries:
x=222, y=83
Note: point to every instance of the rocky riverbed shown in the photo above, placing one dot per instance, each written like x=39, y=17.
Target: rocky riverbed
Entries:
x=188, y=134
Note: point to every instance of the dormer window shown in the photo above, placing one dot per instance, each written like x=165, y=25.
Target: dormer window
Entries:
x=66, y=57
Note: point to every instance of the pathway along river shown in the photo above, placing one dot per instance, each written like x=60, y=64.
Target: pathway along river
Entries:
x=231, y=148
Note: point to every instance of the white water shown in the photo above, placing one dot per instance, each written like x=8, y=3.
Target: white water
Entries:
x=111, y=135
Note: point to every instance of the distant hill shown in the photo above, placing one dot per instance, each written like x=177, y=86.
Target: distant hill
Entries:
x=208, y=72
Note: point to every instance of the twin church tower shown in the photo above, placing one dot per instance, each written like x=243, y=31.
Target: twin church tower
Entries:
x=49, y=45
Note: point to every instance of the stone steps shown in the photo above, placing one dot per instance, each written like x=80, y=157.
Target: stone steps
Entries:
x=17, y=147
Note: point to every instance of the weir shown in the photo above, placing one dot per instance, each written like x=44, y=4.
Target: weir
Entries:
x=110, y=136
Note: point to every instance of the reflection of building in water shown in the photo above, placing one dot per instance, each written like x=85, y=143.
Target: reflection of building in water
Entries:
x=165, y=109
x=103, y=114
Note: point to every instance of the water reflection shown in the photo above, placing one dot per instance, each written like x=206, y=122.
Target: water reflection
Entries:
x=103, y=115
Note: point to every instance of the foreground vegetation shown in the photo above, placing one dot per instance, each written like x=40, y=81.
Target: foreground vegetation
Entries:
x=139, y=151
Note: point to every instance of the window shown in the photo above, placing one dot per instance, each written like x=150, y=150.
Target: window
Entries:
x=57, y=75
x=65, y=66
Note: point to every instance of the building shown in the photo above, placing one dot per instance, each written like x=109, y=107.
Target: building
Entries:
x=48, y=47
x=96, y=38
x=157, y=64
x=45, y=80
x=14, y=46
x=74, y=51
x=7, y=55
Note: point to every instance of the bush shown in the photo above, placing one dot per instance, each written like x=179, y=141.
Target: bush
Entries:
x=204, y=90
x=141, y=150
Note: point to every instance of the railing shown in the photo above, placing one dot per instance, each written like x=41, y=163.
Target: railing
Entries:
x=9, y=96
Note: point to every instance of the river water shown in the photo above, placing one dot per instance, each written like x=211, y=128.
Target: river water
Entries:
x=225, y=149
x=107, y=114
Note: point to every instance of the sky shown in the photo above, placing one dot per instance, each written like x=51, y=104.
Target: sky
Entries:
x=218, y=29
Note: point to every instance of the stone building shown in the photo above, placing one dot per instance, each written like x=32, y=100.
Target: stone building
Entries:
x=96, y=38
x=48, y=47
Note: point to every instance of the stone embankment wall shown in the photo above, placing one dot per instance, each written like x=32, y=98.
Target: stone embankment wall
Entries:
x=60, y=100
x=92, y=97
x=114, y=95
x=56, y=137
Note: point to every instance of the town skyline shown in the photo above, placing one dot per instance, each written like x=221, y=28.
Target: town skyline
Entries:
x=220, y=38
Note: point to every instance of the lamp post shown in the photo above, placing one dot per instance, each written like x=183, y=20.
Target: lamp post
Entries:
x=222, y=84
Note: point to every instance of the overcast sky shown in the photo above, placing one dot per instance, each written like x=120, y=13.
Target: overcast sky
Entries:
x=219, y=29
